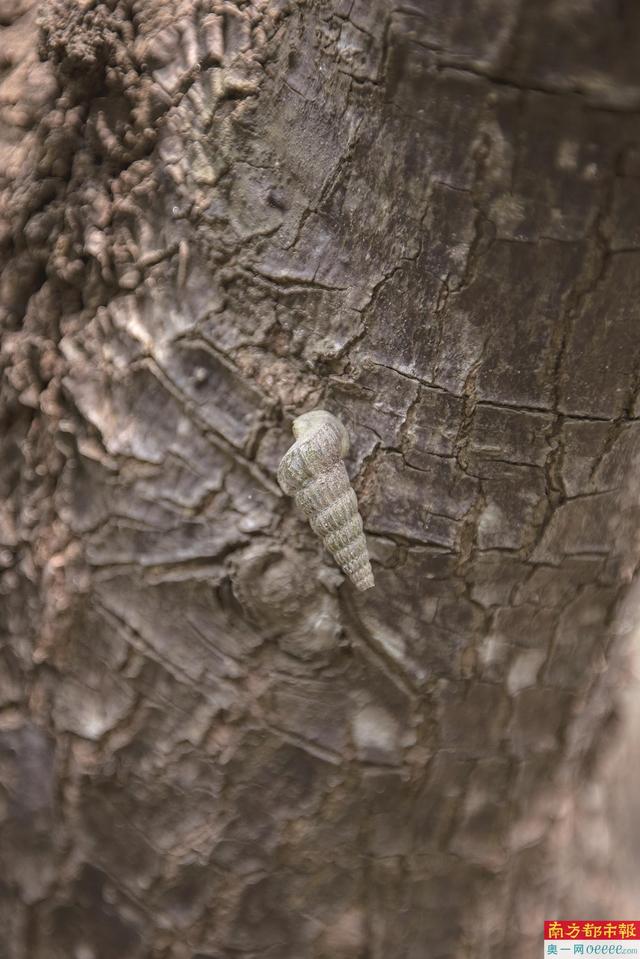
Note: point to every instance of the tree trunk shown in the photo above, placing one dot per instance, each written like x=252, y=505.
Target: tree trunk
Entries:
x=426, y=219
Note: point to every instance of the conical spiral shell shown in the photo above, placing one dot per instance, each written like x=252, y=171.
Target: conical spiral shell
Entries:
x=313, y=471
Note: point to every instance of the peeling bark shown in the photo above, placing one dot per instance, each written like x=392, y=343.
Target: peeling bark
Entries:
x=216, y=215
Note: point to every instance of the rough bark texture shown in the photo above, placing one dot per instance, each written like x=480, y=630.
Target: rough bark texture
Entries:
x=426, y=218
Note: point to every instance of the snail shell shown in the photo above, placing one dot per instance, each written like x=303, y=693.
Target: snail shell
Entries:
x=313, y=471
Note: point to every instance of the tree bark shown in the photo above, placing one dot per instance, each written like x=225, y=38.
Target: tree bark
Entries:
x=215, y=215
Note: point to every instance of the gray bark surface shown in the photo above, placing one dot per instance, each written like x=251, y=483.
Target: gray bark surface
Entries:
x=424, y=217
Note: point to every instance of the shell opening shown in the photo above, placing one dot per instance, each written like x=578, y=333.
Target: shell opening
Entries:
x=306, y=423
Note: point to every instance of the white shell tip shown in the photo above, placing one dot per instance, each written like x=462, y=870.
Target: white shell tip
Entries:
x=364, y=581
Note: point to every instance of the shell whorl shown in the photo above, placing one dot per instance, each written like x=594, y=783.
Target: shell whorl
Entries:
x=313, y=471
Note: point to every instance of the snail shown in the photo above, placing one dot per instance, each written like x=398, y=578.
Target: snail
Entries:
x=313, y=471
